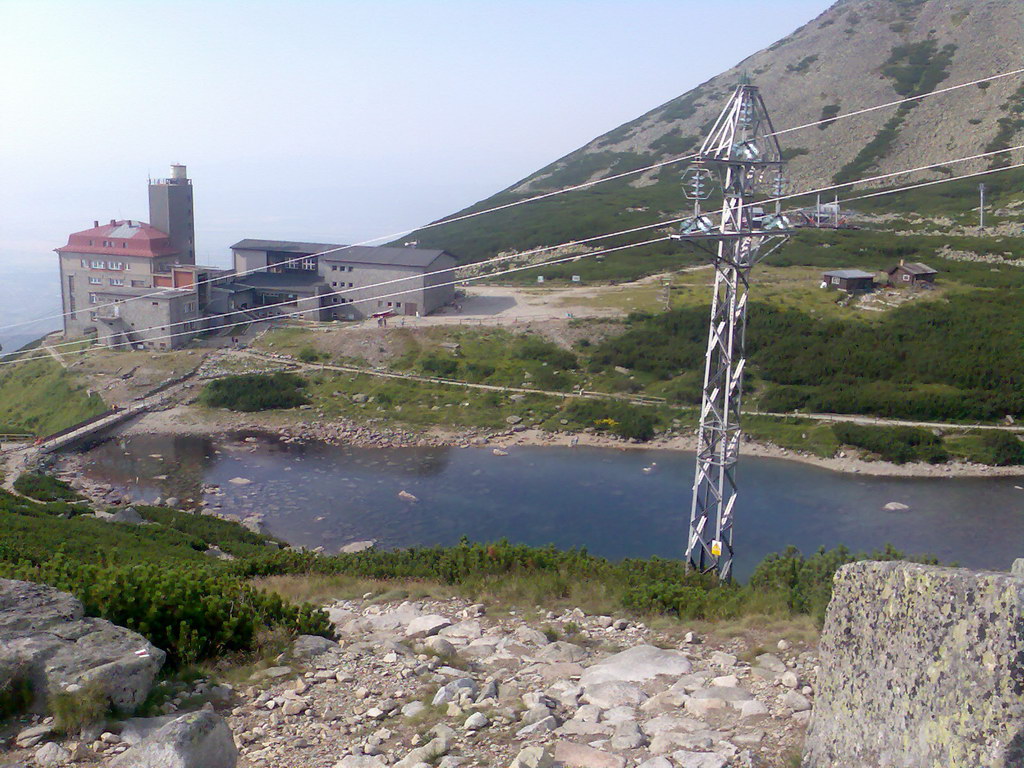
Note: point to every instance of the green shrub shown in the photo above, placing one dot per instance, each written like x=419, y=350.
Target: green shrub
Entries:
x=444, y=367
x=623, y=419
x=44, y=488
x=192, y=612
x=256, y=392
x=997, y=449
x=309, y=355
x=532, y=347
x=895, y=444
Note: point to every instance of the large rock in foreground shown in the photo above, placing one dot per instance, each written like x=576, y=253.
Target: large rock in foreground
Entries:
x=196, y=740
x=45, y=637
x=920, y=666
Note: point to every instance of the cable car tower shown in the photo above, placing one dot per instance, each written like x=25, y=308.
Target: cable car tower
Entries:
x=742, y=157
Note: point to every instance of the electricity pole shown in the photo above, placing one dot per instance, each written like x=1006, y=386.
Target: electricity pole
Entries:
x=743, y=157
x=981, y=207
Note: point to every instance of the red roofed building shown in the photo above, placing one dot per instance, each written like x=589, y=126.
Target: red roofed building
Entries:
x=112, y=275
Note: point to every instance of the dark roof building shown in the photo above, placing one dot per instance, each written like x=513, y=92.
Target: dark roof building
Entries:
x=849, y=280
x=914, y=273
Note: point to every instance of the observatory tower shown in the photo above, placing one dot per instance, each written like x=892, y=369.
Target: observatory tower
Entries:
x=170, y=211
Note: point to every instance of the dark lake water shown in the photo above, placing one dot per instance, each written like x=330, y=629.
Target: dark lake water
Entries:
x=320, y=495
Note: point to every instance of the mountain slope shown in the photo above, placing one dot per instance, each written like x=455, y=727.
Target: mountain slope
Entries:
x=857, y=54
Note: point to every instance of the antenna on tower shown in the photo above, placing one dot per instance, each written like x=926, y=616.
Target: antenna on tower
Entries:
x=741, y=155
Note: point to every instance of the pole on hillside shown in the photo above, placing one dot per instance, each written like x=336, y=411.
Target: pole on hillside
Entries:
x=981, y=206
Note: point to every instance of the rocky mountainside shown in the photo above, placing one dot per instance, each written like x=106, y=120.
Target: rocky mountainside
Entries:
x=857, y=54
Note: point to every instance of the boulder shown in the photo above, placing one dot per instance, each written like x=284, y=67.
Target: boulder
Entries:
x=561, y=651
x=51, y=754
x=453, y=690
x=615, y=694
x=197, y=740
x=580, y=756
x=637, y=664
x=533, y=757
x=938, y=651
x=425, y=626
x=45, y=638
x=699, y=760
x=127, y=515
x=311, y=646
x=362, y=761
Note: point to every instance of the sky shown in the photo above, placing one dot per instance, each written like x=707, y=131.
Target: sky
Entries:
x=330, y=120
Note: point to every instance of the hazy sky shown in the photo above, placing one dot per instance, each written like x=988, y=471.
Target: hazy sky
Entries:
x=335, y=121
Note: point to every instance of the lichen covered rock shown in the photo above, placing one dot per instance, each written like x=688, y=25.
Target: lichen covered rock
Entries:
x=920, y=666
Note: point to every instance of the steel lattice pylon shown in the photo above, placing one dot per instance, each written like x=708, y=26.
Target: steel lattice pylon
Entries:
x=742, y=154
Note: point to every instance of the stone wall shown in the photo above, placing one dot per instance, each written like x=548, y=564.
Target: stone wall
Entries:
x=921, y=667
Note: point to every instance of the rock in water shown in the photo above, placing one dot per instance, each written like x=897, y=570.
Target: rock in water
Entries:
x=896, y=506
x=196, y=740
x=938, y=650
x=45, y=633
x=406, y=496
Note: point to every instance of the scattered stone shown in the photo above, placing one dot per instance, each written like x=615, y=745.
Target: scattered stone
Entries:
x=722, y=659
x=406, y=496
x=33, y=735
x=476, y=721
x=789, y=679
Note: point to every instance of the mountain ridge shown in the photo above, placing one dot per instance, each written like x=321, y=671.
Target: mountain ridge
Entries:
x=855, y=55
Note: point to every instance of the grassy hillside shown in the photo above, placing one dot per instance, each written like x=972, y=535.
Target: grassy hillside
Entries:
x=856, y=55
x=39, y=397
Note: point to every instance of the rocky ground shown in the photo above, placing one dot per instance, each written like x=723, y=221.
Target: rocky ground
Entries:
x=445, y=684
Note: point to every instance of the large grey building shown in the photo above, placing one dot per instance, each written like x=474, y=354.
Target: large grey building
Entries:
x=105, y=272
x=132, y=283
x=345, y=282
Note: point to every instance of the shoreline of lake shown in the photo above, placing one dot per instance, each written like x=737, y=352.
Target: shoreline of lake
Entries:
x=189, y=420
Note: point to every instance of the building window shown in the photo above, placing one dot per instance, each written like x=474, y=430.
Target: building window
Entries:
x=92, y=298
x=95, y=281
x=334, y=267
x=835, y=281
x=350, y=285
x=97, y=264
x=190, y=307
x=139, y=284
x=116, y=265
x=398, y=304
x=334, y=285
x=90, y=243
x=116, y=281
x=906, y=278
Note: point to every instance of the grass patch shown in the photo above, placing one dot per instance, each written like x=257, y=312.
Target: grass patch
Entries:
x=793, y=433
x=255, y=392
x=44, y=488
x=39, y=397
x=75, y=711
x=996, y=449
x=896, y=444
